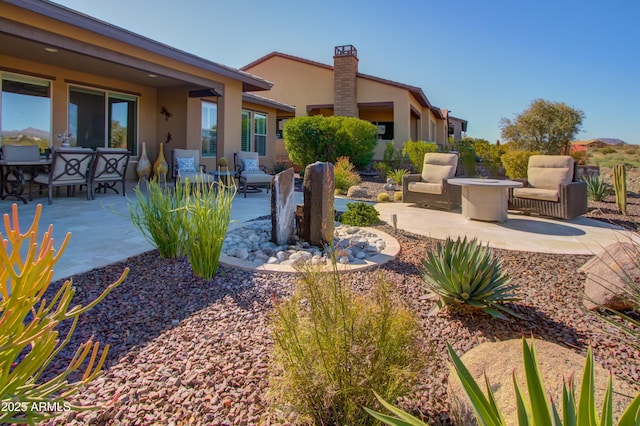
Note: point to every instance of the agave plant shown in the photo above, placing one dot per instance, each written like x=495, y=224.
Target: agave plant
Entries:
x=465, y=272
x=597, y=189
x=539, y=409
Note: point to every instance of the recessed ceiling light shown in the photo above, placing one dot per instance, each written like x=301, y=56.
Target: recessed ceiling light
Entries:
x=152, y=75
x=51, y=49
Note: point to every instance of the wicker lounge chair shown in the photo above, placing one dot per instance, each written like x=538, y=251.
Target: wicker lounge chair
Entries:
x=430, y=189
x=550, y=188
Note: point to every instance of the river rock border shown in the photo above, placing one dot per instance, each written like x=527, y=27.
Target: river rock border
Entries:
x=389, y=251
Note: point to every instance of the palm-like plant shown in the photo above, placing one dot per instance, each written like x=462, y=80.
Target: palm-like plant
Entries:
x=465, y=272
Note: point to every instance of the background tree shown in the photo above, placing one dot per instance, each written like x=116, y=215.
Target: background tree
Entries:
x=548, y=127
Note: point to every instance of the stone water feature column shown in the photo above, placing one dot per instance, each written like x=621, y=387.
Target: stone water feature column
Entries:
x=318, y=217
x=282, y=207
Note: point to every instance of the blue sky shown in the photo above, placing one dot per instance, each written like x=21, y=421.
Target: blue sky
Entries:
x=483, y=60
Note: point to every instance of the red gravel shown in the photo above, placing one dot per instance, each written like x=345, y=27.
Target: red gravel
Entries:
x=190, y=351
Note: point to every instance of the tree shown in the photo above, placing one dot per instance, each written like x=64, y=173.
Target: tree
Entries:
x=548, y=127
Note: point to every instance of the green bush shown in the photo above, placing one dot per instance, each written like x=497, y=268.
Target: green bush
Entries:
x=393, y=158
x=317, y=138
x=463, y=272
x=516, y=162
x=383, y=197
x=332, y=347
x=360, y=214
x=416, y=150
x=397, y=196
x=29, y=336
x=344, y=175
x=597, y=189
x=490, y=155
x=539, y=409
x=382, y=168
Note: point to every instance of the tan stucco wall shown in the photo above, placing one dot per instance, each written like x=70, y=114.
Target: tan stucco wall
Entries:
x=296, y=83
x=300, y=84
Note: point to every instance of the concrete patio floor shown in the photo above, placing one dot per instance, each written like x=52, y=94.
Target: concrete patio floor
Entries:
x=102, y=232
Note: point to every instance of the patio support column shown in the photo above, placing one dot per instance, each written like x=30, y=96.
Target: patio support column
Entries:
x=229, y=120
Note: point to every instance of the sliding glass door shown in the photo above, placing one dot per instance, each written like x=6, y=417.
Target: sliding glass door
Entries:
x=100, y=119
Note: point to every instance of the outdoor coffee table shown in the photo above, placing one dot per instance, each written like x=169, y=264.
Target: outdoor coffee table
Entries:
x=484, y=199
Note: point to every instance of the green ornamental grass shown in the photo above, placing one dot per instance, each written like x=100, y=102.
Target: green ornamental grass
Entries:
x=158, y=214
x=207, y=216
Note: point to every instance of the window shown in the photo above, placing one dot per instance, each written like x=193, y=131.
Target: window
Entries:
x=260, y=134
x=385, y=129
x=254, y=128
x=245, y=143
x=99, y=119
x=25, y=108
x=432, y=131
x=209, y=129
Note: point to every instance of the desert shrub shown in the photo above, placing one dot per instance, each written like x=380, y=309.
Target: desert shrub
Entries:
x=344, y=174
x=397, y=196
x=463, y=272
x=467, y=155
x=490, y=155
x=332, y=347
x=208, y=213
x=516, y=162
x=416, y=150
x=538, y=409
x=360, y=214
x=397, y=175
x=159, y=216
x=317, y=138
x=597, y=189
x=393, y=158
x=382, y=168
x=607, y=150
x=383, y=197
x=29, y=339
x=579, y=154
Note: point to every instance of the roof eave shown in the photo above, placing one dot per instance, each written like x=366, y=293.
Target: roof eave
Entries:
x=89, y=23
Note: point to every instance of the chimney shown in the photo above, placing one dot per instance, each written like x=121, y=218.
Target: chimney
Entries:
x=345, y=93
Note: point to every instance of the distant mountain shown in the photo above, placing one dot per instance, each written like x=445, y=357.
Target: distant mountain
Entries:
x=30, y=131
x=612, y=141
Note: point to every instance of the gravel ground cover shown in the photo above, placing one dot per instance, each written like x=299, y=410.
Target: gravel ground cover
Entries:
x=191, y=351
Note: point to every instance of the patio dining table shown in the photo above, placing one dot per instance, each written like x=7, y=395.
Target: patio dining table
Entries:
x=12, y=180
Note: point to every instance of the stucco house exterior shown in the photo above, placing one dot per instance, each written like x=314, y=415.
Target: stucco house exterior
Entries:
x=63, y=70
x=400, y=111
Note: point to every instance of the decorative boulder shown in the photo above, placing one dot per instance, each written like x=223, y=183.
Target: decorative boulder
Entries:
x=608, y=274
x=500, y=359
x=357, y=192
